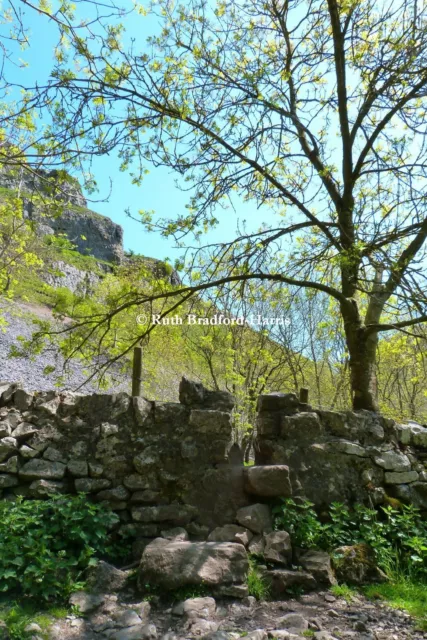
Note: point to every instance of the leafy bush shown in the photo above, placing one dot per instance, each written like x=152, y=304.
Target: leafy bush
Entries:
x=398, y=537
x=45, y=545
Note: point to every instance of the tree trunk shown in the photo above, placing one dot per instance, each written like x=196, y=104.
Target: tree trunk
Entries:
x=362, y=347
x=363, y=371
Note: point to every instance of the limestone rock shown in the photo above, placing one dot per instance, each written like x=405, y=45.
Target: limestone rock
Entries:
x=137, y=632
x=28, y=452
x=231, y=533
x=143, y=410
x=54, y=455
x=44, y=488
x=278, y=547
x=78, y=468
x=118, y=494
x=22, y=399
x=36, y=468
x=173, y=564
x=104, y=578
x=8, y=447
x=356, y=564
x=11, y=466
x=8, y=481
x=403, y=477
x=86, y=602
x=209, y=421
x=90, y=485
x=294, y=622
x=177, y=533
x=318, y=563
x=199, y=608
x=176, y=513
x=257, y=545
x=281, y=580
x=269, y=481
x=256, y=517
x=393, y=461
x=136, y=482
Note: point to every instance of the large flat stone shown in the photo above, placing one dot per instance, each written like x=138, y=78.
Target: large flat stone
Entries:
x=404, y=477
x=174, y=564
x=268, y=481
x=393, y=461
x=36, y=468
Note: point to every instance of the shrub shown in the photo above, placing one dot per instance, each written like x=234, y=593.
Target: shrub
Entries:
x=398, y=537
x=45, y=545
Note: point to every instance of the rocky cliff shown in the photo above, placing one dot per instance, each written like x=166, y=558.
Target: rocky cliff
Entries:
x=91, y=233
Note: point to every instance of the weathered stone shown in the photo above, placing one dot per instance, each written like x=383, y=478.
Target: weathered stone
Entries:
x=135, y=481
x=104, y=578
x=78, y=468
x=231, y=533
x=11, y=466
x=189, y=449
x=176, y=513
x=171, y=565
x=257, y=545
x=143, y=410
x=8, y=447
x=43, y=488
x=231, y=591
x=210, y=421
x=350, y=448
x=8, y=481
x=90, y=485
x=177, y=533
x=294, y=622
x=5, y=429
x=199, y=608
x=146, y=496
x=404, y=477
x=318, y=563
x=24, y=431
x=304, y=426
x=118, y=493
x=54, y=455
x=36, y=468
x=127, y=618
x=256, y=517
x=145, y=460
x=194, y=394
x=393, y=461
x=278, y=547
x=22, y=399
x=419, y=436
x=356, y=564
x=28, y=452
x=86, y=602
x=133, y=530
x=108, y=429
x=277, y=401
x=95, y=470
x=269, y=481
x=6, y=392
x=137, y=632
x=282, y=580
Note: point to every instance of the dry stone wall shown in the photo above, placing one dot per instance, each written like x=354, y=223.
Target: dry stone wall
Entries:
x=158, y=464
x=342, y=456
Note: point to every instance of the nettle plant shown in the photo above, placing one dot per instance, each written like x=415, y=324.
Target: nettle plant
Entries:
x=46, y=545
x=397, y=536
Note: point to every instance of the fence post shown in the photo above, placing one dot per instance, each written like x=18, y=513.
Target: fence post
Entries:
x=303, y=395
x=137, y=371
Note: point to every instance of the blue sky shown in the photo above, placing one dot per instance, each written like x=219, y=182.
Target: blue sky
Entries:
x=158, y=191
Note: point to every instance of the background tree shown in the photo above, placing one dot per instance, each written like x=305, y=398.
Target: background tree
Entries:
x=314, y=109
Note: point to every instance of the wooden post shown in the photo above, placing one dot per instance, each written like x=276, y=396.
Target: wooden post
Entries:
x=137, y=371
x=303, y=395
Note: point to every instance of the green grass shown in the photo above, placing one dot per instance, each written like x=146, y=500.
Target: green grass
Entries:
x=257, y=585
x=402, y=593
x=19, y=614
x=344, y=591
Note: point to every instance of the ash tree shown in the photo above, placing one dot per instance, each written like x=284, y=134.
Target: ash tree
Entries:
x=315, y=111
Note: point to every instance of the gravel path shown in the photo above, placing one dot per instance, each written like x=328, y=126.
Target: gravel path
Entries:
x=29, y=373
